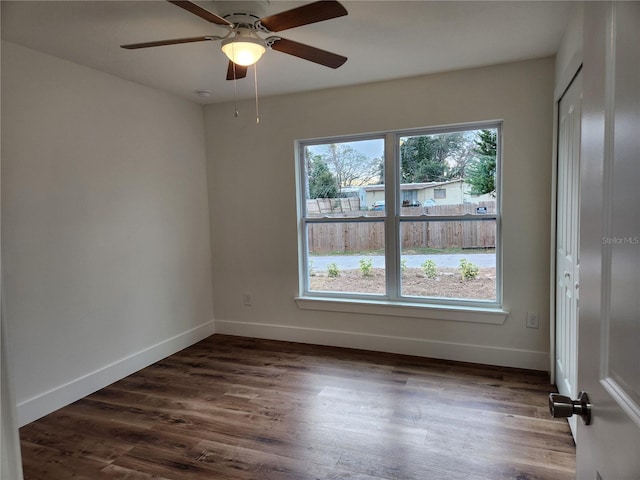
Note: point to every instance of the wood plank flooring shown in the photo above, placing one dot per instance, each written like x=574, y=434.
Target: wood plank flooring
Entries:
x=241, y=408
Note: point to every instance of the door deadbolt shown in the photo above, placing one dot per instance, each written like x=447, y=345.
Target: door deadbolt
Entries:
x=561, y=406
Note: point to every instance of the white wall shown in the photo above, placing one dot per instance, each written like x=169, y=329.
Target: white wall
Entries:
x=569, y=56
x=254, y=235
x=106, y=248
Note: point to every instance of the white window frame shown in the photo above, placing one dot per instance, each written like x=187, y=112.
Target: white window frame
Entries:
x=393, y=303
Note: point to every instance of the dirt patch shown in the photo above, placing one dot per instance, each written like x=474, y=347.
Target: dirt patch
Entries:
x=448, y=283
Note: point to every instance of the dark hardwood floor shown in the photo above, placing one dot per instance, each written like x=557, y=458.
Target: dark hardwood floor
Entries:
x=240, y=408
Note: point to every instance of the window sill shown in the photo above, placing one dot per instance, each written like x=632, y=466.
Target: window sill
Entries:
x=456, y=313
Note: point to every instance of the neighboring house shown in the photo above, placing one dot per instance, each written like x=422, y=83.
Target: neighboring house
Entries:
x=427, y=194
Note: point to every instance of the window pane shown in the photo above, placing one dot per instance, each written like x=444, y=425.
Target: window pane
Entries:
x=345, y=179
x=441, y=202
x=346, y=257
x=449, y=259
x=440, y=173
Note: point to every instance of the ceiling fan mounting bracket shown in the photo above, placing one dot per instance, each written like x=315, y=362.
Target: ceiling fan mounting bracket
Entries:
x=218, y=37
x=269, y=41
x=240, y=19
x=260, y=27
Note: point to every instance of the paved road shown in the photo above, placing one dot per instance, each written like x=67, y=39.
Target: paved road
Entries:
x=349, y=262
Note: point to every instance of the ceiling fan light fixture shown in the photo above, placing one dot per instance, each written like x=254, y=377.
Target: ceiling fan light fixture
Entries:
x=243, y=50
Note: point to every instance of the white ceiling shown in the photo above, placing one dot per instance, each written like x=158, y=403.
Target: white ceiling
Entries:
x=382, y=40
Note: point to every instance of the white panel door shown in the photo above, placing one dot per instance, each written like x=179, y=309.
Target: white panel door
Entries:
x=567, y=236
x=609, y=319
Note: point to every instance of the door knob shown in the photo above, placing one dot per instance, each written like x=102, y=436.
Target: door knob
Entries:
x=561, y=406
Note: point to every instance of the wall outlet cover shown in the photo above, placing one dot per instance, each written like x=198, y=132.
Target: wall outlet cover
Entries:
x=533, y=320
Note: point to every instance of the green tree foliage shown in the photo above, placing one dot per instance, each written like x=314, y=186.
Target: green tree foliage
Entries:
x=481, y=174
x=426, y=158
x=486, y=143
x=322, y=183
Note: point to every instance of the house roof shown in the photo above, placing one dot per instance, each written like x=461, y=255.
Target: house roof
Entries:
x=412, y=186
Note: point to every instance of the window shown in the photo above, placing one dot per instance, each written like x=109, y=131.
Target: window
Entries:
x=410, y=198
x=439, y=193
x=409, y=217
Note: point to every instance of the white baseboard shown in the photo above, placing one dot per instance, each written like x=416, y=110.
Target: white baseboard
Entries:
x=50, y=401
x=483, y=354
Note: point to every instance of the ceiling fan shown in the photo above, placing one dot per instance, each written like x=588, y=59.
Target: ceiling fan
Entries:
x=244, y=47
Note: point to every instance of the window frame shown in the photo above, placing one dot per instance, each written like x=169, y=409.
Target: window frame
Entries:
x=393, y=218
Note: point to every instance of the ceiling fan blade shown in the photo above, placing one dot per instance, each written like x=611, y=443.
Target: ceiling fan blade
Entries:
x=311, y=13
x=201, y=12
x=166, y=42
x=307, y=52
x=240, y=71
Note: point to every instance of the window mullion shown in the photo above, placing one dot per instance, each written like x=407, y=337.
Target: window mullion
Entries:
x=392, y=199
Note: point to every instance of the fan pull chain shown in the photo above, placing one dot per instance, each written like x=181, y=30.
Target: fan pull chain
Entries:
x=235, y=95
x=235, y=88
x=255, y=83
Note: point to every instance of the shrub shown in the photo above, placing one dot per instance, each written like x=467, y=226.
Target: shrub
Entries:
x=430, y=269
x=468, y=270
x=366, y=266
x=333, y=270
x=403, y=265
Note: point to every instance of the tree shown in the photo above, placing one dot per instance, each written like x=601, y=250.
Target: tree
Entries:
x=426, y=158
x=381, y=172
x=352, y=168
x=481, y=174
x=486, y=143
x=457, y=164
x=322, y=183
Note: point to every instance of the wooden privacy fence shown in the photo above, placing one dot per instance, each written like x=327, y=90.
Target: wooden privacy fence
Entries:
x=326, y=206
x=362, y=236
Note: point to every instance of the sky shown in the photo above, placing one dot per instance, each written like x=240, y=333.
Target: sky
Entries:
x=370, y=148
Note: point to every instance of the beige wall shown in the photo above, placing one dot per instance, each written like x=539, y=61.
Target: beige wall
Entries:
x=255, y=236
x=105, y=234
x=569, y=56
x=374, y=196
x=454, y=194
x=106, y=241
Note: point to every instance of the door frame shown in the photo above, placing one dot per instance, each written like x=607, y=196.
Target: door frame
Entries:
x=10, y=454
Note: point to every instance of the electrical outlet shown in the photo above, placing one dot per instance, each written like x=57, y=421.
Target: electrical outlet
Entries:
x=246, y=298
x=533, y=320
